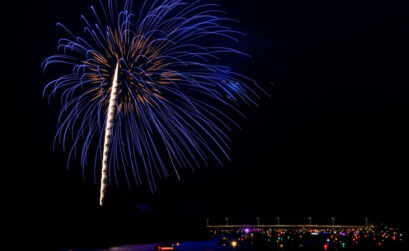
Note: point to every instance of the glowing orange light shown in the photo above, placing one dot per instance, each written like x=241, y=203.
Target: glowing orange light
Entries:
x=166, y=248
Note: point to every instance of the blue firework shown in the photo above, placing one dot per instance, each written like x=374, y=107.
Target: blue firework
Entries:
x=147, y=89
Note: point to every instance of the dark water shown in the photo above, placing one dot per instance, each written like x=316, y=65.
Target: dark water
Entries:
x=211, y=245
x=185, y=246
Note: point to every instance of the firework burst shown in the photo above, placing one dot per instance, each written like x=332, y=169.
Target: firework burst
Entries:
x=146, y=89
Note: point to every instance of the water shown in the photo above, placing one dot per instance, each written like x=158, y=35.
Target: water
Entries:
x=185, y=246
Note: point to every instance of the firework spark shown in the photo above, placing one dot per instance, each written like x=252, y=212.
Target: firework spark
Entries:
x=146, y=89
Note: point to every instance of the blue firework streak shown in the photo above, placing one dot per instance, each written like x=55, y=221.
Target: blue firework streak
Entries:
x=147, y=90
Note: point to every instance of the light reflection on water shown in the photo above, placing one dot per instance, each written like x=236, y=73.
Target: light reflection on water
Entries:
x=185, y=246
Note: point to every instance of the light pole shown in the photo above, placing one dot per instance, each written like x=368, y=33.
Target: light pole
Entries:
x=207, y=221
x=366, y=222
x=310, y=219
x=278, y=220
x=258, y=221
x=227, y=221
x=333, y=221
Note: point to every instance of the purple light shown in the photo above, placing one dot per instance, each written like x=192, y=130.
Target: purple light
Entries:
x=246, y=230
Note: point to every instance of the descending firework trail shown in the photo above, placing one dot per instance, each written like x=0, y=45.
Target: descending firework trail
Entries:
x=108, y=132
x=146, y=89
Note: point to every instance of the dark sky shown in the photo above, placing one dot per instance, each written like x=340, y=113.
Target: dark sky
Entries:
x=331, y=141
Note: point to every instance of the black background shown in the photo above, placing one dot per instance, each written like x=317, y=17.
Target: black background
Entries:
x=331, y=141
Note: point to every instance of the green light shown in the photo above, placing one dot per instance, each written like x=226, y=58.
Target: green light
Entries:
x=343, y=244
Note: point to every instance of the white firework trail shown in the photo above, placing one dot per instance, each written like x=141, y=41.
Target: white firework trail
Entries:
x=108, y=132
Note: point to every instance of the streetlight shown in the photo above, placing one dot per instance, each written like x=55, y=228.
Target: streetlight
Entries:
x=333, y=221
x=366, y=222
x=227, y=221
x=310, y=219
x=207, y=221
x=278, y=220
x=258, y=221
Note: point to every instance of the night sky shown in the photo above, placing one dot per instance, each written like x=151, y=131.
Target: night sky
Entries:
x=331, y=141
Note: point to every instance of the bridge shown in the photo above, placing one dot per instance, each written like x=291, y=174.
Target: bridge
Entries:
x=285, y=226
